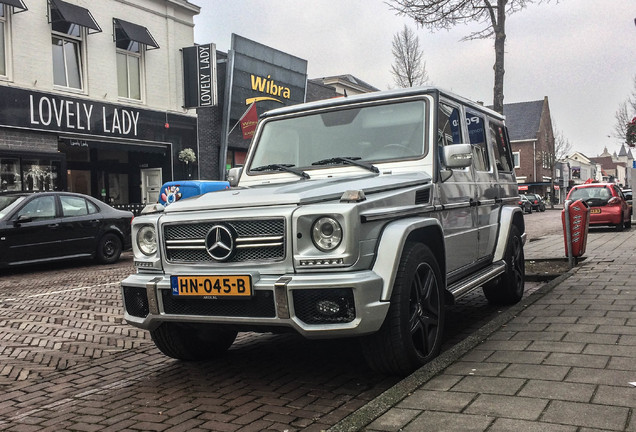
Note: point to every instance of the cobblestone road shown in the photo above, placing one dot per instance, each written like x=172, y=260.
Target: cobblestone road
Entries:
x=69, y=362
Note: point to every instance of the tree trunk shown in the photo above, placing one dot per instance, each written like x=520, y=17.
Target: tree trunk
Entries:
x=500, y=42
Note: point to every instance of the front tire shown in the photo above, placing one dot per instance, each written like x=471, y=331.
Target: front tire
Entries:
x=411, y=334
x=109, y=249
x=192, y=341
x=508, y=288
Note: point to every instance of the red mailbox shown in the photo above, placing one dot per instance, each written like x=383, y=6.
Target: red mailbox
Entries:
x=576, y=219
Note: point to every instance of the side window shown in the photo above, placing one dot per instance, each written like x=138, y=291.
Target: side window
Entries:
x=92, y=208
x=73, y=206
x=477, y=137
x=39, y=208
x=448, y=125
x=501, y=147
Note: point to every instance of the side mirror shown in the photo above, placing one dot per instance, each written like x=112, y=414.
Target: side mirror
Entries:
x=22, y=219
x=458, y=155
x=233, y=176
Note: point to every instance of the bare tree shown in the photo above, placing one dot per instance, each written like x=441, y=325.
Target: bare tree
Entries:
x=444, y=14
x=562, y=146
x=625, y=113
x=409, y=69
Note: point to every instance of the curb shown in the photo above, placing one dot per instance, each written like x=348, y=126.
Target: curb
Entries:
x=366, y=414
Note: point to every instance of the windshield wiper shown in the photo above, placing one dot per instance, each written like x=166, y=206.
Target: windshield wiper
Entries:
x=282, y=167
x=349, y=160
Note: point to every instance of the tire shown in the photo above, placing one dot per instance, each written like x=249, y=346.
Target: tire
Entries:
x=109, y=248
x=529, y=210
x=508, y=288
x=184, y=341
x=620, y=226
x=411, y=334
x=628, y=224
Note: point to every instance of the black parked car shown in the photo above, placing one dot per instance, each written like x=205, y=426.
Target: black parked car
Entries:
x=524, y=203
x=50, y=226
x=537, y=202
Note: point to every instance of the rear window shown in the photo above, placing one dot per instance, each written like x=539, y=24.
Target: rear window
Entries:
x=592, y=195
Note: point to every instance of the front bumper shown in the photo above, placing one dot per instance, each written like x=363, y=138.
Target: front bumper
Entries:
x=278, y=301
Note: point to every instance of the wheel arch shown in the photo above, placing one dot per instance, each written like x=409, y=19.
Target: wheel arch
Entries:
x=509, y=216
x=395, y=235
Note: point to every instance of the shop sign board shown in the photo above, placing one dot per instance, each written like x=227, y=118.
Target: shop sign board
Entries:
x=265, y=76
x=28, y=109
x=199, y=76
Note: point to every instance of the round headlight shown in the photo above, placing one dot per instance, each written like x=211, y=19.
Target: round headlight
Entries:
x=147, y=240
x=326, y=234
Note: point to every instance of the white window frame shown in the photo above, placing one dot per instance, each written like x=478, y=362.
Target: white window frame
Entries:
x=516, y=156
x=6, y=35
x=141, y=57
x=81, y=41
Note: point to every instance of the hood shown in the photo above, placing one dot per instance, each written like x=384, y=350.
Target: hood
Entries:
x=300, y=192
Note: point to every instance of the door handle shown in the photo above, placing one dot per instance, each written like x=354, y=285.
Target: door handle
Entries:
x=54, y=225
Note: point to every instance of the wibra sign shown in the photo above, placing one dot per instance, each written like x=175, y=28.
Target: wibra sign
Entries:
x=269, y=86
x=265, y=76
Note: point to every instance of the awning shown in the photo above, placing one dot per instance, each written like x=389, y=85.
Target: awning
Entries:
x=19, y=4
x=127, y=31
x=62, y=11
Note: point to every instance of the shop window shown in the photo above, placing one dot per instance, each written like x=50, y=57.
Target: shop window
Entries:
x=10, y=174
x=39, y=175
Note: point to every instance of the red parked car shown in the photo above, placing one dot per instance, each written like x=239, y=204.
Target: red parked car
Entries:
x=607, y=204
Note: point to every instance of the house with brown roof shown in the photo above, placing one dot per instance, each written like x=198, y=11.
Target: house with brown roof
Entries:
x=532, y=139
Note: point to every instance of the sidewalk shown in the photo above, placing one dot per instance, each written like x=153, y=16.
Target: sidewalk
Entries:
x=563, y=359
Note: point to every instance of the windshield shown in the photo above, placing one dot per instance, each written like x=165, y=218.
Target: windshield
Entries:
x=592, y=195
x=7, y=203
x=343, y=137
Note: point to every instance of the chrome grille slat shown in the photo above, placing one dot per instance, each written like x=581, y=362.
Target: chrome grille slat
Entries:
x=257, y=240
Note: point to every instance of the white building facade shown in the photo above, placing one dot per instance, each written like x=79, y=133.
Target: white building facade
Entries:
x=91, y=96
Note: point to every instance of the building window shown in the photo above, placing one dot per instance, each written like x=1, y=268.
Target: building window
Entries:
x=129, y=73
x=67, y=54
x=516, y=156
x=3, y=38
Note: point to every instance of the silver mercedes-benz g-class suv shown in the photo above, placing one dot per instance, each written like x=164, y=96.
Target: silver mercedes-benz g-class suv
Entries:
x=360, y=217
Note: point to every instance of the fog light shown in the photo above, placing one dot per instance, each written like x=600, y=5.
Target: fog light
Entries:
x=327, y=307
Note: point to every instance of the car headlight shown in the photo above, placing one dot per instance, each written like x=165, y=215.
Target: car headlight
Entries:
x=326, y=233
x=147, y=240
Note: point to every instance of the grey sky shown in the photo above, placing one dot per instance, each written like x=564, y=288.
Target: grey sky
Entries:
x=579, y=53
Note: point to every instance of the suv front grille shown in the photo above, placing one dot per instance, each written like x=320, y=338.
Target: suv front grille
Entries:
x=256, y=240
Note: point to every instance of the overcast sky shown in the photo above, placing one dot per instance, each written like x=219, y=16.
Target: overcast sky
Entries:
x=581, y=54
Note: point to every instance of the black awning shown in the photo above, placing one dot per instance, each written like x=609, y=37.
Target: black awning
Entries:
x=127, y=31
x=62, y=11
x=19, y=4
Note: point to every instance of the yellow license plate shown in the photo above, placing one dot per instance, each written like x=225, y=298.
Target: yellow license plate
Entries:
x=211, y=286
x=595, y=210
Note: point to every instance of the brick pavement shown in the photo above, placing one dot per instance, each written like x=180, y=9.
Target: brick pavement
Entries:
x=561, y=360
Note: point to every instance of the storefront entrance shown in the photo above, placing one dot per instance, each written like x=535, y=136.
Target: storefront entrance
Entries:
x=113, y=172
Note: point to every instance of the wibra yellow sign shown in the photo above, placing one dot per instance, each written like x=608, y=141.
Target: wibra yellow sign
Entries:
x=268, y=86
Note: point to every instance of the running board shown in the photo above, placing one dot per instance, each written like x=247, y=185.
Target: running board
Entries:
x=464, y=286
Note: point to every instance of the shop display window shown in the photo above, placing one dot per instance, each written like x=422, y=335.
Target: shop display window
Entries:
x=10, y=174
x=39, y=175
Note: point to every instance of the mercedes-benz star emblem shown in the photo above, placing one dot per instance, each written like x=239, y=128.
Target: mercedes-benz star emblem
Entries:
x=220, y=242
